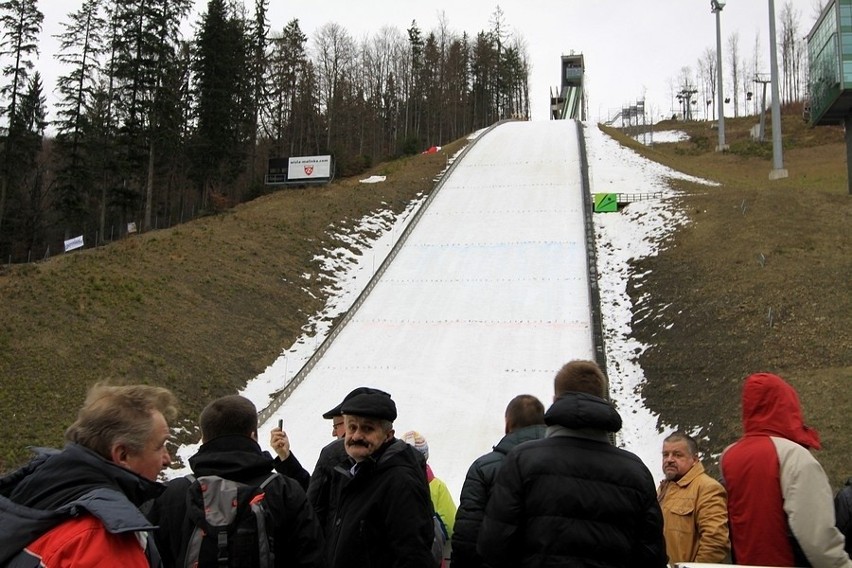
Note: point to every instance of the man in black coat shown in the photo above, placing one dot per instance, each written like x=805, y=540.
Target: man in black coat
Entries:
x=524, y=422
x=382, y=512
x=230, y=450
x=573, y=499
x=319, y=488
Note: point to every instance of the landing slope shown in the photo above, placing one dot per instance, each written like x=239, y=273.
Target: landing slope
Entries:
x=487, y=298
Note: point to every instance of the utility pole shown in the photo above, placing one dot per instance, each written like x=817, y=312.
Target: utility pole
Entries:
x=778, y=171
x=716, y=8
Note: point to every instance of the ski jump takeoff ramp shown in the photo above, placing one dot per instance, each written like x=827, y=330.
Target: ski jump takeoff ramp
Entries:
x=488, y=297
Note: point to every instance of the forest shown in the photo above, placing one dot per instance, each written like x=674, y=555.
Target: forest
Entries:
x=153, y=128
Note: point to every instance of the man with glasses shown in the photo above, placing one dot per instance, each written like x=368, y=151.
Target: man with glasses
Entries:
x=338, y=431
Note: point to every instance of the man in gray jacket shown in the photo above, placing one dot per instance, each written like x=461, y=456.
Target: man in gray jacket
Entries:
x=524, y=422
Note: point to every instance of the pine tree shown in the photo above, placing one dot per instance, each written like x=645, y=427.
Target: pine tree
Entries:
x=286, y=73
x=221, y=81
x=81, y=46
x=145, y=49
x=30, y=122
x=21, y=23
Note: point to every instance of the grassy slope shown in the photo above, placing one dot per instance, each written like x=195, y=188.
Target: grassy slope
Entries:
x=200, y=308
x=752, y=246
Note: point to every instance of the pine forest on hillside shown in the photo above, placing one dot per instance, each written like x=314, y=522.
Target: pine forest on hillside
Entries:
x=154, y=128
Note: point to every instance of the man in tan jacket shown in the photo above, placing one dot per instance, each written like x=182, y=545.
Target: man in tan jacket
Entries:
x=695, y=508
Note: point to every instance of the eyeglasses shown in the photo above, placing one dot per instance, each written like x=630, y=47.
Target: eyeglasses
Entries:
x=336, y=425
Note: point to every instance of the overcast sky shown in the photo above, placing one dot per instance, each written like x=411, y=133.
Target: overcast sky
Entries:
x=632, y=48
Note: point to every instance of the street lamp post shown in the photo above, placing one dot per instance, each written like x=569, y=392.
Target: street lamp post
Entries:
x=778, y=170
x=716, y=8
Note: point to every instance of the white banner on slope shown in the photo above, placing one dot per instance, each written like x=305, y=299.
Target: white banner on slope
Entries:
x=75, y=243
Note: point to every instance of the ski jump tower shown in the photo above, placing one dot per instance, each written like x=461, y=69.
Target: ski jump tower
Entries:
x=570, y=101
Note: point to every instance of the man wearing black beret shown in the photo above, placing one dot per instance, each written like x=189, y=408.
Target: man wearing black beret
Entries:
x=381, y=510
x=319, y=489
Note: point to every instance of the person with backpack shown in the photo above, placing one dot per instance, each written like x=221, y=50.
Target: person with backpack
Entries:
x=79, y=507
x=382, y=515
x=235, y=510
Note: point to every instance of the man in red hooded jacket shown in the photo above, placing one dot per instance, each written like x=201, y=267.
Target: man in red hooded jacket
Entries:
x=779, y=501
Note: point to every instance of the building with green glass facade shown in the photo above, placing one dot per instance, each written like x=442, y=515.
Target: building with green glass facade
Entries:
x=830, y=61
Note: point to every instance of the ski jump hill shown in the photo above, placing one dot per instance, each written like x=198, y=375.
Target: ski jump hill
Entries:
x=487, y=297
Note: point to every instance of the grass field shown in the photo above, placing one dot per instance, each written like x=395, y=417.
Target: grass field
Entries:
x=759, y=280
x=203, y=307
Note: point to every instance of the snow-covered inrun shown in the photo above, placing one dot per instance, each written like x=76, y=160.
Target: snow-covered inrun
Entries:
x=486, y=300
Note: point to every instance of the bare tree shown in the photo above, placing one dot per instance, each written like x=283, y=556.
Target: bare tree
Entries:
x=792, y=52
x=734, y=66
x=707, y=72
x=817, y=6
x=334, y=56
x=756, y=70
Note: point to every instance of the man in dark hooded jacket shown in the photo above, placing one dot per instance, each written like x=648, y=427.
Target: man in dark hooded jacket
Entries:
x=524, y=422
x=230, y=450
x=573, y=499
x=789, y=522
x=382, y=511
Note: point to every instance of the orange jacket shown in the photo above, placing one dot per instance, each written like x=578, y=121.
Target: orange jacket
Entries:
x=695, y=518
x=83, y=542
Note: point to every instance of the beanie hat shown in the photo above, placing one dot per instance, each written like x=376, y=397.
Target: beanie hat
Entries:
x=336, y=411
x=418, y=441
x=375, y=404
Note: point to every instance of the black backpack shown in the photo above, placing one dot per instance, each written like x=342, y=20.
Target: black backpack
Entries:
x=232, y=525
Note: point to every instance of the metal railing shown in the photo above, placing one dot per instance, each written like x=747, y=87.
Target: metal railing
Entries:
x=631, y=197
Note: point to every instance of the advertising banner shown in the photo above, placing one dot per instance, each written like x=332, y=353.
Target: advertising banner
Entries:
x=309, y=167
x=74, y=243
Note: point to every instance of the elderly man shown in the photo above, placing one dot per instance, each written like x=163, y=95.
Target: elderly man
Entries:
x=382, y=512
x=319, y=488
x=695, y=507
x=89, y=492
x=572, y=498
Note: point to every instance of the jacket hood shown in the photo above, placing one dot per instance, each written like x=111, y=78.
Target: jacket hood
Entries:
x=771, y=408
x=519, y=436
x=233, y=457
x=58, y=478
x=577, y=411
